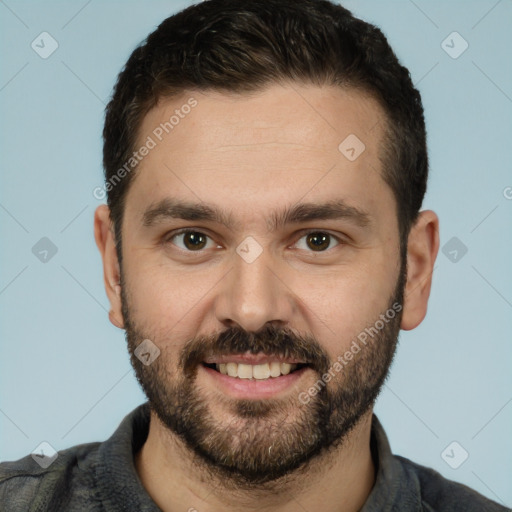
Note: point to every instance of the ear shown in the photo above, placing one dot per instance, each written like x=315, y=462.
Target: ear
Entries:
x=422, y=248
x=105, y=240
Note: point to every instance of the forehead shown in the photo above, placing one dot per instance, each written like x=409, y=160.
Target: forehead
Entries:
x=291, y=140
x=312, y=116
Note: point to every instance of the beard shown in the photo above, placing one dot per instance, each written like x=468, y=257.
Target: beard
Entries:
x=256, y=444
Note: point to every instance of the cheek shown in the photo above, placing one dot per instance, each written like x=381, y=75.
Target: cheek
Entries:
x=163, y=299
x=342, y=304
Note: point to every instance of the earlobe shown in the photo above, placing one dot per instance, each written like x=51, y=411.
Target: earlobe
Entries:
x=114, y=320
x=422, y=248
x=105, y=240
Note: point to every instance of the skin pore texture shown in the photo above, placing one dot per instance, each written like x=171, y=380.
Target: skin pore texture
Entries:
x=313, y=287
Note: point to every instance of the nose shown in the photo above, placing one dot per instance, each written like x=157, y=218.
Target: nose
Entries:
x=254, y=293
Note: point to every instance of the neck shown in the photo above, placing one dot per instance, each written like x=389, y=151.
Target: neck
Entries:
x=338, y=480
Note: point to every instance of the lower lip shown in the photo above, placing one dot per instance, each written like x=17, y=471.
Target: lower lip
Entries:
x=254, y=388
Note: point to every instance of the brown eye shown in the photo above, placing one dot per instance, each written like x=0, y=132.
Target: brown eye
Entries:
x=317, y=241
x=193, y=241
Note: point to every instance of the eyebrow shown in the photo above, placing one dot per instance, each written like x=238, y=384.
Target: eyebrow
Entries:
x=170, y=208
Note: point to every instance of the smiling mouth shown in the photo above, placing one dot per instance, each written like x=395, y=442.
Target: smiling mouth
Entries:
x=262, y=371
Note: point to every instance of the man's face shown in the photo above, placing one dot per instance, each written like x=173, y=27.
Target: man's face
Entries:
x=300, y=289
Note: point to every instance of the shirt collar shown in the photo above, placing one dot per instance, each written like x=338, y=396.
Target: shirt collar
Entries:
x=118, y=481
x=394, y=490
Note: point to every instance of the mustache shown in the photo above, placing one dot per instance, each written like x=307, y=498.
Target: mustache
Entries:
x=270, y=340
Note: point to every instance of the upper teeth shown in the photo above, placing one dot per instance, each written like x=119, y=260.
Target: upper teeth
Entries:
x=256, y=371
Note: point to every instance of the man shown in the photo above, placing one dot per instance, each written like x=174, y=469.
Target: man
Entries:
x=263, y=245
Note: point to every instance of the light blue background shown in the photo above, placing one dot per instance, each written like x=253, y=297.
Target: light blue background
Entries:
x=64, y=370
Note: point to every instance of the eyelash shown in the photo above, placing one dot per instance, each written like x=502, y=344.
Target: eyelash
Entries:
x=184, y=231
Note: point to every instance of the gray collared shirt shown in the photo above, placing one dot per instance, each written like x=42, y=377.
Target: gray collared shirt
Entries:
x=98, y=477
